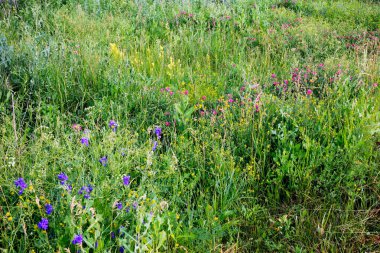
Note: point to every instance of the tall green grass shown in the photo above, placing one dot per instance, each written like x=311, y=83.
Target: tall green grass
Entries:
x=270, y=137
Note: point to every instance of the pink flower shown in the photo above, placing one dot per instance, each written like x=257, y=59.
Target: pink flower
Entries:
x=309, y=92
x=230, y=100
x=171, y=93
x=167, y=123
x=273, y=76
x=185, y=92
x=204, y=98
x=375, y=85
x=202, y=113
x=214, y=112
x=76, y=127
x=167, y=89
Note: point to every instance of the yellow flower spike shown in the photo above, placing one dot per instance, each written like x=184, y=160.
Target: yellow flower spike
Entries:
x=42, y=197
x=8, y=214
x=177, y=216
x=35, y=227
x=10, y=218
x=31, y=188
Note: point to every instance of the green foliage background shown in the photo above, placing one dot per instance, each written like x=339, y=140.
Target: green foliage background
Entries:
x=246, y=162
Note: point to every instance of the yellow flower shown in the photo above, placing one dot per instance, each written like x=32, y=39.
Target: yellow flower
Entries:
x=8, y=214
x=31, y=188
x=216, y=218
x=177, y=216
x=115, y=52
x=10, y=218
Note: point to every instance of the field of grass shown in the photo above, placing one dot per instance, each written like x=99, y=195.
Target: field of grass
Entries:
x=189, y=126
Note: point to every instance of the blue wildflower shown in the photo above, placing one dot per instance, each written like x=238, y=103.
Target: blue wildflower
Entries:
x=43, y=224
x=20, y=183
x=126, y=180
x=158, y=132
x=103, y=160
x=49, y=209
x=119, y=205
x=78, y=239
x=113, y=125
x=154, y=146
x=121, y=249
x=84, y=141
x=62, y=177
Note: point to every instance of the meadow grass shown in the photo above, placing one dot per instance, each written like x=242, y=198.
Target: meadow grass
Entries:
x=189, y=126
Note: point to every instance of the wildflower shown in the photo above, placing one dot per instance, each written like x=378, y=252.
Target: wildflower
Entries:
x=126, y=180
x=43, y=224
x=135, y=205
x=230, y=100
x=62, y=177
x=127, y=209
x=121, y=249
x=185, y=92
x=69, y=188
x=273, y=76
x=119, y=205
x=113, y=235
x=115, y=52
x=84, y=141
x=103, y=160
x=203, y=98
x=20, y=183
x=375, y=85
x=158, y=132
x=167, y=123
x=49, y=209
x=76, y=127
x=171, y=93
x=309, y=92
x=78, y=239
x=154, y=146
x=89, y=188
x=113, y=125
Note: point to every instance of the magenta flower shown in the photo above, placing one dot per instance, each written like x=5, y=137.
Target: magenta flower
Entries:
x=309, y=92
